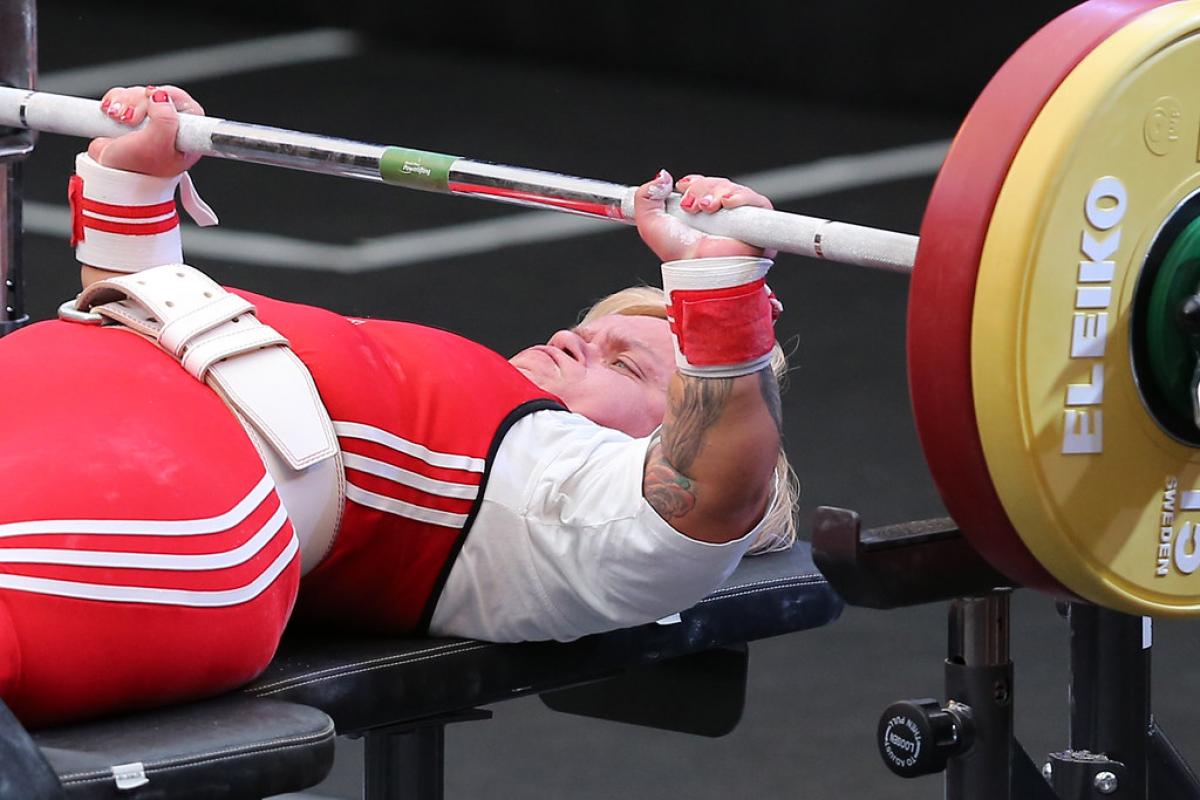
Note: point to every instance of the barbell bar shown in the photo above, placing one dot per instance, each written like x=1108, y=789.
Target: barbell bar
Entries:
x=438, y=172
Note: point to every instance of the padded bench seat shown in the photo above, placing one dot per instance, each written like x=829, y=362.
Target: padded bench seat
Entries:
x=369, y=682
x=275, y=735
x=230, y=747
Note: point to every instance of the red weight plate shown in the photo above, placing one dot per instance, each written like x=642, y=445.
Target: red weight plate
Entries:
x=942, y=293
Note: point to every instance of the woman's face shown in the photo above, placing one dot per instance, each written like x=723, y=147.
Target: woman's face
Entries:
x=614, y=370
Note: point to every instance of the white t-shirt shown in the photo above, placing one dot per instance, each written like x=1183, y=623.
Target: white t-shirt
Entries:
x=565, y=544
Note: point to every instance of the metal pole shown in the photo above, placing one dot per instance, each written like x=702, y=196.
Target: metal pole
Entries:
x=406, y=761
x=979, y=676
x=18, y=67
x=405, y=764
x=1110, y=692
x=438, y=172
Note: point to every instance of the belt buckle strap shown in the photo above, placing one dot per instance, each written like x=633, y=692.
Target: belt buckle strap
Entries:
x=220, y=341
x=69, y=312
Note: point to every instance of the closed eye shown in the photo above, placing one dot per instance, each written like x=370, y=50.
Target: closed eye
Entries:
x=626, y=365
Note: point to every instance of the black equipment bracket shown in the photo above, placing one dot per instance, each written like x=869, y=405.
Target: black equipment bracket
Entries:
x=1116, y=749
x=898, y=565
x=664, y=695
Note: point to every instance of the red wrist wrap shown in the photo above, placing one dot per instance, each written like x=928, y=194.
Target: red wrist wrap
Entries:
x=716, y=327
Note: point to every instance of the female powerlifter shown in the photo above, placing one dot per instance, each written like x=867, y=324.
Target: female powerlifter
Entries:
x=188, y=467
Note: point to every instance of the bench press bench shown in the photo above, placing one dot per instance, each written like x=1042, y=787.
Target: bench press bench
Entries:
x=276, y=735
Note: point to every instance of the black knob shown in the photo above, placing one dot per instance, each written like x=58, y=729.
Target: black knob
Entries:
x=917, y=737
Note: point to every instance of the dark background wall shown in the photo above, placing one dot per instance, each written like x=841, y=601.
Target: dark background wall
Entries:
x=935, y=54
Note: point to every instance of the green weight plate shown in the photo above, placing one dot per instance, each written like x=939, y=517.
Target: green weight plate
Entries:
x=1169, y=351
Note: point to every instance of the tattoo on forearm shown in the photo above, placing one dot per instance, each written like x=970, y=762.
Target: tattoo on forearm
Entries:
x=769, y=386
x=691, y=410
x=668, y=491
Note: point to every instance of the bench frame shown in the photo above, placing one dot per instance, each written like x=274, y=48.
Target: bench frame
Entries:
x=1112, y=729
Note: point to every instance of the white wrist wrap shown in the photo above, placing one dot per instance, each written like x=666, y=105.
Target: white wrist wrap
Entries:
x=721, y=314
x=125, y=221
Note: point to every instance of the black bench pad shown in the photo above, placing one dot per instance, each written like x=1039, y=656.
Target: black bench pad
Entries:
x=369, y=682
x=276, y=735
x=232, y=747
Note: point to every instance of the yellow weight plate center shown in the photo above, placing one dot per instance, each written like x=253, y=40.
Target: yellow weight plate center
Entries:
x=1099, y=493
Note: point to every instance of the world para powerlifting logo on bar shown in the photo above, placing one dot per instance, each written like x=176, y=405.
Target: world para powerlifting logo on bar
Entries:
x=1176, y=536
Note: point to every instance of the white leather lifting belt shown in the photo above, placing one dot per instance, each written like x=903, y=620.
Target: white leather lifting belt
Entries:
x=218, y=339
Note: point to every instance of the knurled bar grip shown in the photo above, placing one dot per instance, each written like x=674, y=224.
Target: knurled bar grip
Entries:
x=419, y=169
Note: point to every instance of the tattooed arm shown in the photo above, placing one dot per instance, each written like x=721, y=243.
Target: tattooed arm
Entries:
x=708, y=472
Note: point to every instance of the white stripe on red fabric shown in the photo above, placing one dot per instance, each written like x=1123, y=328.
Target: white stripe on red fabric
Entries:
x=130, y=560
x=145, y=527
x=369, y=433
x=400, y=508
x=140, y=594
x=381, y=469
x=129, y=220
x=408, y=478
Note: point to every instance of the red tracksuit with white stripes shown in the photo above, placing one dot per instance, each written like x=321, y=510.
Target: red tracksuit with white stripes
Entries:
x=418, y=413
x=144, y=554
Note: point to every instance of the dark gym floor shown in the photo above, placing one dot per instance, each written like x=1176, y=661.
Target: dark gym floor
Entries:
x=813, y=698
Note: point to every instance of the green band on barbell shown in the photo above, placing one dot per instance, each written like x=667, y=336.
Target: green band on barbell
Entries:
x=416, y=169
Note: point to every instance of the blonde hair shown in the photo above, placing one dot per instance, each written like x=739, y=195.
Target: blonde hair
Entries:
x=779, y=528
